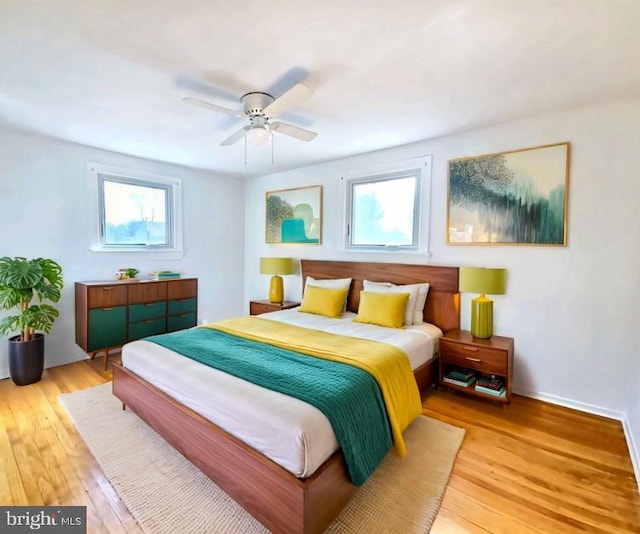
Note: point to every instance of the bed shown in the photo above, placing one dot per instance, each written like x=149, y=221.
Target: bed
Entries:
x=279, y=499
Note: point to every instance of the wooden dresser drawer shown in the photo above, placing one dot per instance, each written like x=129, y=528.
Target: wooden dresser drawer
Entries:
x=147, y=292
x=181, y=321
x=182, y=306
x=182, y=289
x=106, y=296
x=149, y=327
x=150, y=310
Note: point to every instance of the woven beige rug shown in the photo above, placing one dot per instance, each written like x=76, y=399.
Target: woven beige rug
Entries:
x=167, y=494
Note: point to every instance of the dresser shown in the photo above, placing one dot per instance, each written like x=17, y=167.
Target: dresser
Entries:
x=111, y=313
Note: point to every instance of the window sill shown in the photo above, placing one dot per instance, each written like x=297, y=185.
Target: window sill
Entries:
x=149, y=254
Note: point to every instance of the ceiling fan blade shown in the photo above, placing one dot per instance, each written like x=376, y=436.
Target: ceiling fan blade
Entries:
x=293, y=131
x=236, y=136
x=208, y=105
x=297, y=94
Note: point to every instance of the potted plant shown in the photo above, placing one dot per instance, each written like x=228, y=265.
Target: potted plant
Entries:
x=21, y=281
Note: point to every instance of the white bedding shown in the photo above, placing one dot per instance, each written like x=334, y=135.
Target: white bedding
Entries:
x=294, y=434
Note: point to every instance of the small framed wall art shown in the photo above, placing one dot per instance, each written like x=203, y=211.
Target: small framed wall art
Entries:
x=294, y=215
x=509, y=198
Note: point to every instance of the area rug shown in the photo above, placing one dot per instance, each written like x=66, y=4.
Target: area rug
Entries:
x=167, y=494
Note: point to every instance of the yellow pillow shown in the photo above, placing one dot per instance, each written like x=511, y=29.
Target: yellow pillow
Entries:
x=323, y=301
x=383, y=309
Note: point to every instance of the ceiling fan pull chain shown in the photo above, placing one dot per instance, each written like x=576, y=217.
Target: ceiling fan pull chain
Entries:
x=272, y=143
x=245, y=150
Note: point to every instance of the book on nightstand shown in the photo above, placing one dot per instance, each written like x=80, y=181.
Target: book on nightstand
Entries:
x=495, y=392
x=462, y=383
x=460, y=374
x=493, y=383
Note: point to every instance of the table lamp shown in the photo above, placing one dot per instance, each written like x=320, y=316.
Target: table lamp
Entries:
x=483, y=281
x=276, y=267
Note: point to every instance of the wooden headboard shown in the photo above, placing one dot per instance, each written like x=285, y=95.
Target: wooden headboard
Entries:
x=443, y=300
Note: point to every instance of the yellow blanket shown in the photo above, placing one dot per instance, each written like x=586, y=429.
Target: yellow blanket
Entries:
x=387, y=364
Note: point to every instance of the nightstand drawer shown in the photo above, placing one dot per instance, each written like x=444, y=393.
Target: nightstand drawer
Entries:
x=477, y=363
x=473, y=352
x=256, y=309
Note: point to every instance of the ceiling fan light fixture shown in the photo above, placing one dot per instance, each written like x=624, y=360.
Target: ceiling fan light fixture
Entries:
x=258, y=134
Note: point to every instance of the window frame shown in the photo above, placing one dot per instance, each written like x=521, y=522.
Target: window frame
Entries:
x=420, y=168
x=99, y=173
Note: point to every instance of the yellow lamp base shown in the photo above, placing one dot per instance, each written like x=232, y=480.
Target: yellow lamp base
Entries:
x=276, y=290
x=482, y=317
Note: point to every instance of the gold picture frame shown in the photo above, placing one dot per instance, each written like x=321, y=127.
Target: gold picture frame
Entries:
x=519, y=197
x=294, y=216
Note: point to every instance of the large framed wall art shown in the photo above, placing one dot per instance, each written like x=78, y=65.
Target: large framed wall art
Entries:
x=294, y=215
x=509, y=198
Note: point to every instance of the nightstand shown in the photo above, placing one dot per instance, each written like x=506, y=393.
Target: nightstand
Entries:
x=459, y=350
x=256, y=307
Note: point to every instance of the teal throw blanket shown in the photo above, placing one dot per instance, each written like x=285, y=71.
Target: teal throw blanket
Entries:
x=349, y=397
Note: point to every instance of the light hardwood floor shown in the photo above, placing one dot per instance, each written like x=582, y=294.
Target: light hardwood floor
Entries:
x=533, y=467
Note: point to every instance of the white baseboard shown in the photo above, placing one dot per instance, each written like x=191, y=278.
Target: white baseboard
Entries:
x=632, y=445
x=634, y=450
x=570, y=403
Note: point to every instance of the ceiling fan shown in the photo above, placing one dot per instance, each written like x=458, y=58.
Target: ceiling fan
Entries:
x=261, y=108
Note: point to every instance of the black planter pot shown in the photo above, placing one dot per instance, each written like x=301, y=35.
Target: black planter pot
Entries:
x=26, y=359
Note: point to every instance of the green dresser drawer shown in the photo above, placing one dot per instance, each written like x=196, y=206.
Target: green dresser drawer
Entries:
x=182, y=306
x=181, y=321
x=149, y=327
x=152, y=310
x=107, y=328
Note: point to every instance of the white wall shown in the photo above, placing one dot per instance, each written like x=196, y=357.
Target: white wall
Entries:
x=572, y=310
x=44, y=197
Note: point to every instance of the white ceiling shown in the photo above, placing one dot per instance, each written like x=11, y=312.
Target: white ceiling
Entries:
x=112, y=73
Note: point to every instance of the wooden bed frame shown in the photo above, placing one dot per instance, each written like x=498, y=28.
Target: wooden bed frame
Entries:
x=275, y=497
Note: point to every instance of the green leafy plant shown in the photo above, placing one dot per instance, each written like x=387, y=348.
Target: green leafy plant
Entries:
x=21, y=281
x=131, y=272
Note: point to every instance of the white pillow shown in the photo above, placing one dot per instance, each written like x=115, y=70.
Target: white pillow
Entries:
x=331, y=283
x=387, y=287
x=418, y=316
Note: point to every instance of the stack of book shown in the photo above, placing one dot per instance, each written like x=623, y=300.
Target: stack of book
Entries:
x=164, y=275
x=460, y=377
x=490, y=386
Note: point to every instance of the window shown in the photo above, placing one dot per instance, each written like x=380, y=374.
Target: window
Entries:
x=136, y=212
x=383, y=209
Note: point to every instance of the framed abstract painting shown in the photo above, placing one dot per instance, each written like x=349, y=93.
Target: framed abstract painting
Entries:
x=509, y=198
x=294, y=215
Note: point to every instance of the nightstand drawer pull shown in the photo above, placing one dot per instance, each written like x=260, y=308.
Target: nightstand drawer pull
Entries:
x=477, y=360
x=470, y=349
x=107, y=288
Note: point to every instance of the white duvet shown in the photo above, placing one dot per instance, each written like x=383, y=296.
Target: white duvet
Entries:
x=292, y=433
